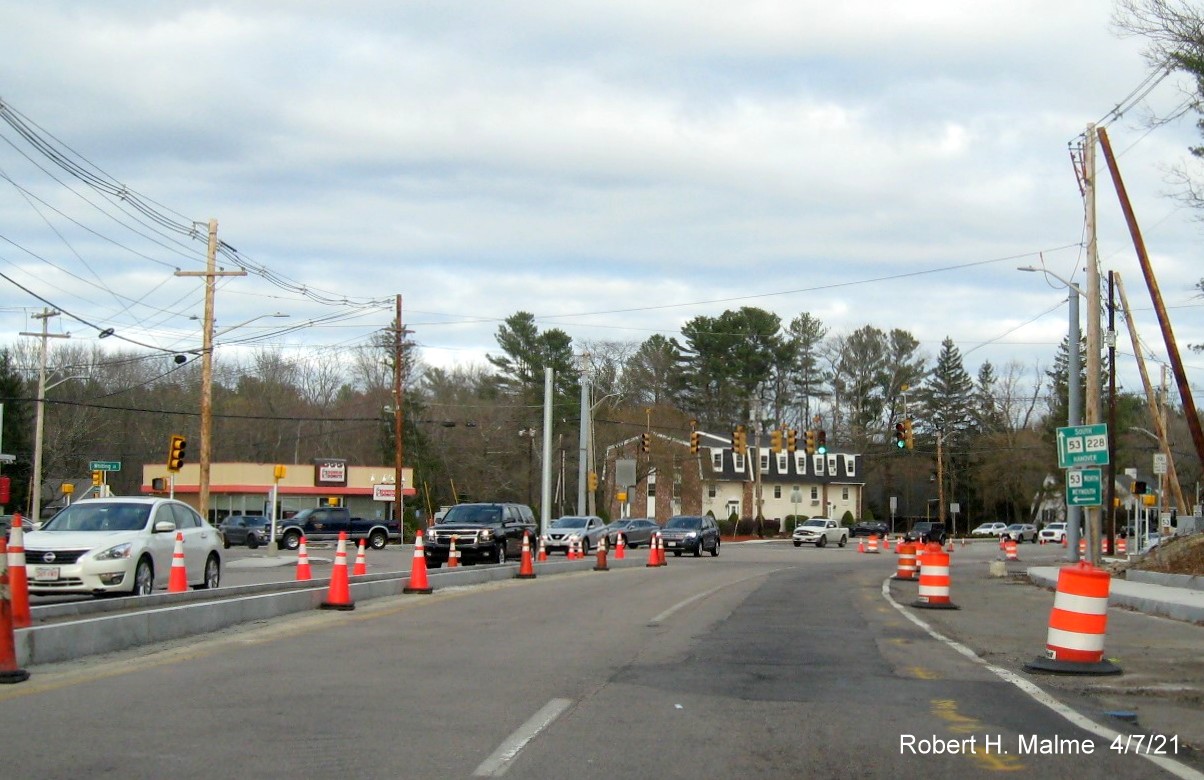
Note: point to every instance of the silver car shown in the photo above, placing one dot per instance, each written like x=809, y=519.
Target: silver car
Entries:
x=586, y=529
x=1021, y=532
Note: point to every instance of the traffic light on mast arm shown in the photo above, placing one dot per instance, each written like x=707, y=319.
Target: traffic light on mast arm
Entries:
x=738, y=440
x=907, y=435
x=775, y=440
x=175, y=453
x=900, y=435
x=791, y=440
x=821, y=441
x=645, y=442
x=810, y=442
x=695, y=442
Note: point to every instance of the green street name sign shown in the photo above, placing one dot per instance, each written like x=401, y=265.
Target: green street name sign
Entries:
x=1083, y=445
x=104, y=465
x=1084, y=487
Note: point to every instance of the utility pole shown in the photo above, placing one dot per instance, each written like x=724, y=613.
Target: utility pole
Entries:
x=35, y=499
x=583, y=437
x=940, y=479
x=399, y=366
x=210, y=274
x=1092, y=395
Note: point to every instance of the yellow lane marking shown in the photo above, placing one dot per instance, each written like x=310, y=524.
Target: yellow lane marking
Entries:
x=984, y=757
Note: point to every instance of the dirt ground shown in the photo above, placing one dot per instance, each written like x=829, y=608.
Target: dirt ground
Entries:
x=1178, y=555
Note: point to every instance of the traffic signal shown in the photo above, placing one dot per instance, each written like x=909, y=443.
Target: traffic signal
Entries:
x=907, y=435
x=791, y=440
x=695, y=442
x=810, y=442
x=175, y=453
x=900, y=435
x=775, y=441
x=738, y=440
x=645, y=442
x=821, y=441
x=593, y=481
x=98, y=478
x=1139, y=488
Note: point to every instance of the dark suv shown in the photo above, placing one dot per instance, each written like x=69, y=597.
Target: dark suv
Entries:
x=925, y=532
x=488, y=533
x=691, y=533
x=870, y=528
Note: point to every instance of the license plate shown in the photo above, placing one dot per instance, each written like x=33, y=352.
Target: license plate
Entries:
x=671, y=544
x=41, y=573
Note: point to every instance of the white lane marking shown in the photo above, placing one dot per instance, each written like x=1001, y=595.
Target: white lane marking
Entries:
x=497, y=764
x=656, y=621
x=1039, y=695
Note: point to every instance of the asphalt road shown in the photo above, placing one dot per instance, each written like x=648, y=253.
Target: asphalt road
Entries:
x=769, y=661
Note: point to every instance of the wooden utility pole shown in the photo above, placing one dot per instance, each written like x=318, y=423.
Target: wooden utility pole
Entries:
x=210, y=273
x=1168, y=335
x=940, y=478
x=1092, y=412
x=399, y=333
x=35, y=498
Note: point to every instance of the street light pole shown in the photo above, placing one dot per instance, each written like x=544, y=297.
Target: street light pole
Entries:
x=1074, y=393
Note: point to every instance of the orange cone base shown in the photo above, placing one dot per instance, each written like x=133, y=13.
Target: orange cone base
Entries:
x=13, y=676
x=904, y=579
x=521, y=576
x=1054, y=666
x=935, y=605
x=408, y=589
x=344, y=606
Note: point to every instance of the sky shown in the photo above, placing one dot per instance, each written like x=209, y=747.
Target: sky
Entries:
x=615, y=168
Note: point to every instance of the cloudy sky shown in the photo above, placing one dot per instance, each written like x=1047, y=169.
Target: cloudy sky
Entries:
x=616, y=168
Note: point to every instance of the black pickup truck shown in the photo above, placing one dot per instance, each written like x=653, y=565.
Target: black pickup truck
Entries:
x=483, y=532
x=324, y=524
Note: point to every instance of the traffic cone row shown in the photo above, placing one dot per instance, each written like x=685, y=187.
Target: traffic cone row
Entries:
x=339, y=594
x=656, y=552
x=9, y=671
x=178, y=581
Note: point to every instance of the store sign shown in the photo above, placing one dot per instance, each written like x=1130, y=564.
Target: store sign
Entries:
x=383, y=491
x=330, y=473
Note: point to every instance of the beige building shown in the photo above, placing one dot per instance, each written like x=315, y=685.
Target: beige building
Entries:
x=246, y=488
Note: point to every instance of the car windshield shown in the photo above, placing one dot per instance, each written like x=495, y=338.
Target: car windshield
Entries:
x=571, y=522
x=1015, y=527
x=473, y=515
x=90, y=516
x=684, y=522
x=815, y=523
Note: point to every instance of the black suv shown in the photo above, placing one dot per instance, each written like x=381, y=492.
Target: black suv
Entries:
x=691, y=533
x=926, y=532
x=491, y=533
x=869, y=528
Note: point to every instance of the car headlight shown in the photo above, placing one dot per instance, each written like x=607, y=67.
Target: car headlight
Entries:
x=114, y=553
x=486, y=535
x=692, y=534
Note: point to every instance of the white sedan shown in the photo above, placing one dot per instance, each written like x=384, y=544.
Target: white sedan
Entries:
x=120, y=545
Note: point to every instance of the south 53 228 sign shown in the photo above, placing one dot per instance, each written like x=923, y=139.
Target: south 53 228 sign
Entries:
x=1083, y=445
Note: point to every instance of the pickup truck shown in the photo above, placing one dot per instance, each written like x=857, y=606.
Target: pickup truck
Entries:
x=490, y=533
x=820, y=531
x=324, y=524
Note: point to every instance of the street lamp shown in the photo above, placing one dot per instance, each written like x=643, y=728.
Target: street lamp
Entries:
x=207, y=406
x=1074, y=393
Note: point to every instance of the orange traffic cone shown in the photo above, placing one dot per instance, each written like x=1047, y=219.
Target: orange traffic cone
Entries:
x=418, y=582
x=652, y=547
x=361, y=563
x=620, y=549
x=543, y=550
x=860, y=544
x=9, y=672
x=660, y=551
x=526, y=569
x=178, y=581
x=600, y=563
x=339, y=594
x=303, y=570
x=453, y=555
x=18, y=578
x=1063, y=540
x=886, y=543
x=948, y=545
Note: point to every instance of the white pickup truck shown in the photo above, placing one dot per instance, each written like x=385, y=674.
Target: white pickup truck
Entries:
x=819, y=531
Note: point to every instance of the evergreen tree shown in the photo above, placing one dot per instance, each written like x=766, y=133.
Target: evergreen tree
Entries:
x=946, y=398
x=15, y=437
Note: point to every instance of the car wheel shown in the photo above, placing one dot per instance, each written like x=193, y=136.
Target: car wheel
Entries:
x=843, y=541
x=213, y=573
x=225, y=543
x=677, y=553
x=144, y=578
x=499, y=554
x=821, y=541
x=798, y=544
x=291, y=540
x=253, y=541
x=377, y=540
x=698, y=549
x=715, y=549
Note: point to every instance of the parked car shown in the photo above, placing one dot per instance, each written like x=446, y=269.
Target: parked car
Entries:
x=251, y=530
x=871, y=528
x=990, y=529
x=120, y=545
x=634, y=530
x=820, y=531
x=587, y=529
x=1054, y=533
x=691, y=533
x=1021, y=532
x=6, y=523
x=926, y=532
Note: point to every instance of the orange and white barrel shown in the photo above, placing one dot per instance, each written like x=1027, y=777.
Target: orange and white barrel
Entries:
x=1104, y=546
x=1078, y=622
x=1122, y=546
x=934, y=580
x=906, y=567
x=1082, y=545
x=873, y=544
x=1011, y=550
